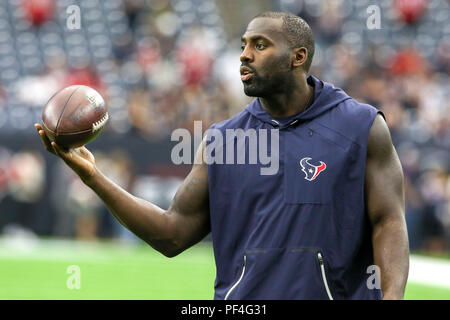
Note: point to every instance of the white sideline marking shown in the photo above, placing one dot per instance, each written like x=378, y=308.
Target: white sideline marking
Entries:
x=429, y=271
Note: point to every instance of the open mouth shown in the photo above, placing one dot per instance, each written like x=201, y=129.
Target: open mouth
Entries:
x=245, y=76
x=246, y=73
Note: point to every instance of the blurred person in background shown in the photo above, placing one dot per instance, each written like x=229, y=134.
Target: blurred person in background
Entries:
x=4, y=171
x=25, y=180
x=38, y=11
x=85, y=206
x=434, y=184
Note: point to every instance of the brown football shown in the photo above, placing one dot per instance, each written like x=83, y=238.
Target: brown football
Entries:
x=74, y=116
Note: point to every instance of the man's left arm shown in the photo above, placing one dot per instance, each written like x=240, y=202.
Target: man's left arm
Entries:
x=386, y=208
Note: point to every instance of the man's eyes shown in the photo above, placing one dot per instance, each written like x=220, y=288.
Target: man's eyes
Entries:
x=259, y=46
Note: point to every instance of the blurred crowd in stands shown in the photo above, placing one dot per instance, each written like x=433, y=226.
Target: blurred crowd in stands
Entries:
x=161, y=64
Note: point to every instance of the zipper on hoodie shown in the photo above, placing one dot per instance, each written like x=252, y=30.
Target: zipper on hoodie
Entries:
x=324, y=276
x=239, y=280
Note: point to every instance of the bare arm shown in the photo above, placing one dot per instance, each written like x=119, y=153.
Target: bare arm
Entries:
x=170, y=232
x=386, y=208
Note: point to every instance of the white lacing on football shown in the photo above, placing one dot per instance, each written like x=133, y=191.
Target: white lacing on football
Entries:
x=100, y=123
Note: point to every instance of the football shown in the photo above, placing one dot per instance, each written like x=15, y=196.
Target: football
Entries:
x=74, y=116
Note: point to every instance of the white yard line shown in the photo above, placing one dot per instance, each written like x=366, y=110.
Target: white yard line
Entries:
x=429, y=271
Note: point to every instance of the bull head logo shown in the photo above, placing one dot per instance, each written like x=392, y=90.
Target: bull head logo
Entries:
x=311, y=171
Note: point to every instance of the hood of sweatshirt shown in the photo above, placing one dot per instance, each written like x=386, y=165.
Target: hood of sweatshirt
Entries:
x=326, y=97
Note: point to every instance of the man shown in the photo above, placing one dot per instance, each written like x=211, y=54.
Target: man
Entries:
x=316, y=227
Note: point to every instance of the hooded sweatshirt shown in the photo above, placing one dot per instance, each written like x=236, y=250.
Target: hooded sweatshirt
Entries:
x=302, y=231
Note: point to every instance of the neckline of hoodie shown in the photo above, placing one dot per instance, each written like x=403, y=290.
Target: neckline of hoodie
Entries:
x=283, y=122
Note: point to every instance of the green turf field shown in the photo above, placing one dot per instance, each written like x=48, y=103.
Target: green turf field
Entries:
x=112, y=271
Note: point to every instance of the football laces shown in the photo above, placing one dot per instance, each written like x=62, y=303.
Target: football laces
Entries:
x=100, y=123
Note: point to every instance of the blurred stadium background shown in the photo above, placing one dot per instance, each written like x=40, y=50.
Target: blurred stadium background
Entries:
x=160, y=65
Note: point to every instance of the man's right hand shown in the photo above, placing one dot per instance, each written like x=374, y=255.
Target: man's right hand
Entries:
x=79, y=160
x=170, y=231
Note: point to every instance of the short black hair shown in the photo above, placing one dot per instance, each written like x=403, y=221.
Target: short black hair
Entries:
x=298, y=32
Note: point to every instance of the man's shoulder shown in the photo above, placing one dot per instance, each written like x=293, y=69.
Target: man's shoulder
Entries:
x=351, y=110
x=351, y=119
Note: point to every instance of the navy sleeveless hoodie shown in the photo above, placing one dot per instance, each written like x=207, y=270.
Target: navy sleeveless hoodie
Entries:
x=303, y=232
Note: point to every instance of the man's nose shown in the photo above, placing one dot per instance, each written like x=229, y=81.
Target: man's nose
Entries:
x=246, y=55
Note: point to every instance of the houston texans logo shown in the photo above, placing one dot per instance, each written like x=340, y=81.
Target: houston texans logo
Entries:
x=311, y=171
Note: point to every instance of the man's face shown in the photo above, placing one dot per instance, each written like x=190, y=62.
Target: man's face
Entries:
x=266, y=67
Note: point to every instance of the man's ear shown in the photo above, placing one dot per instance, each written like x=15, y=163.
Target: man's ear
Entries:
x=300, y=57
